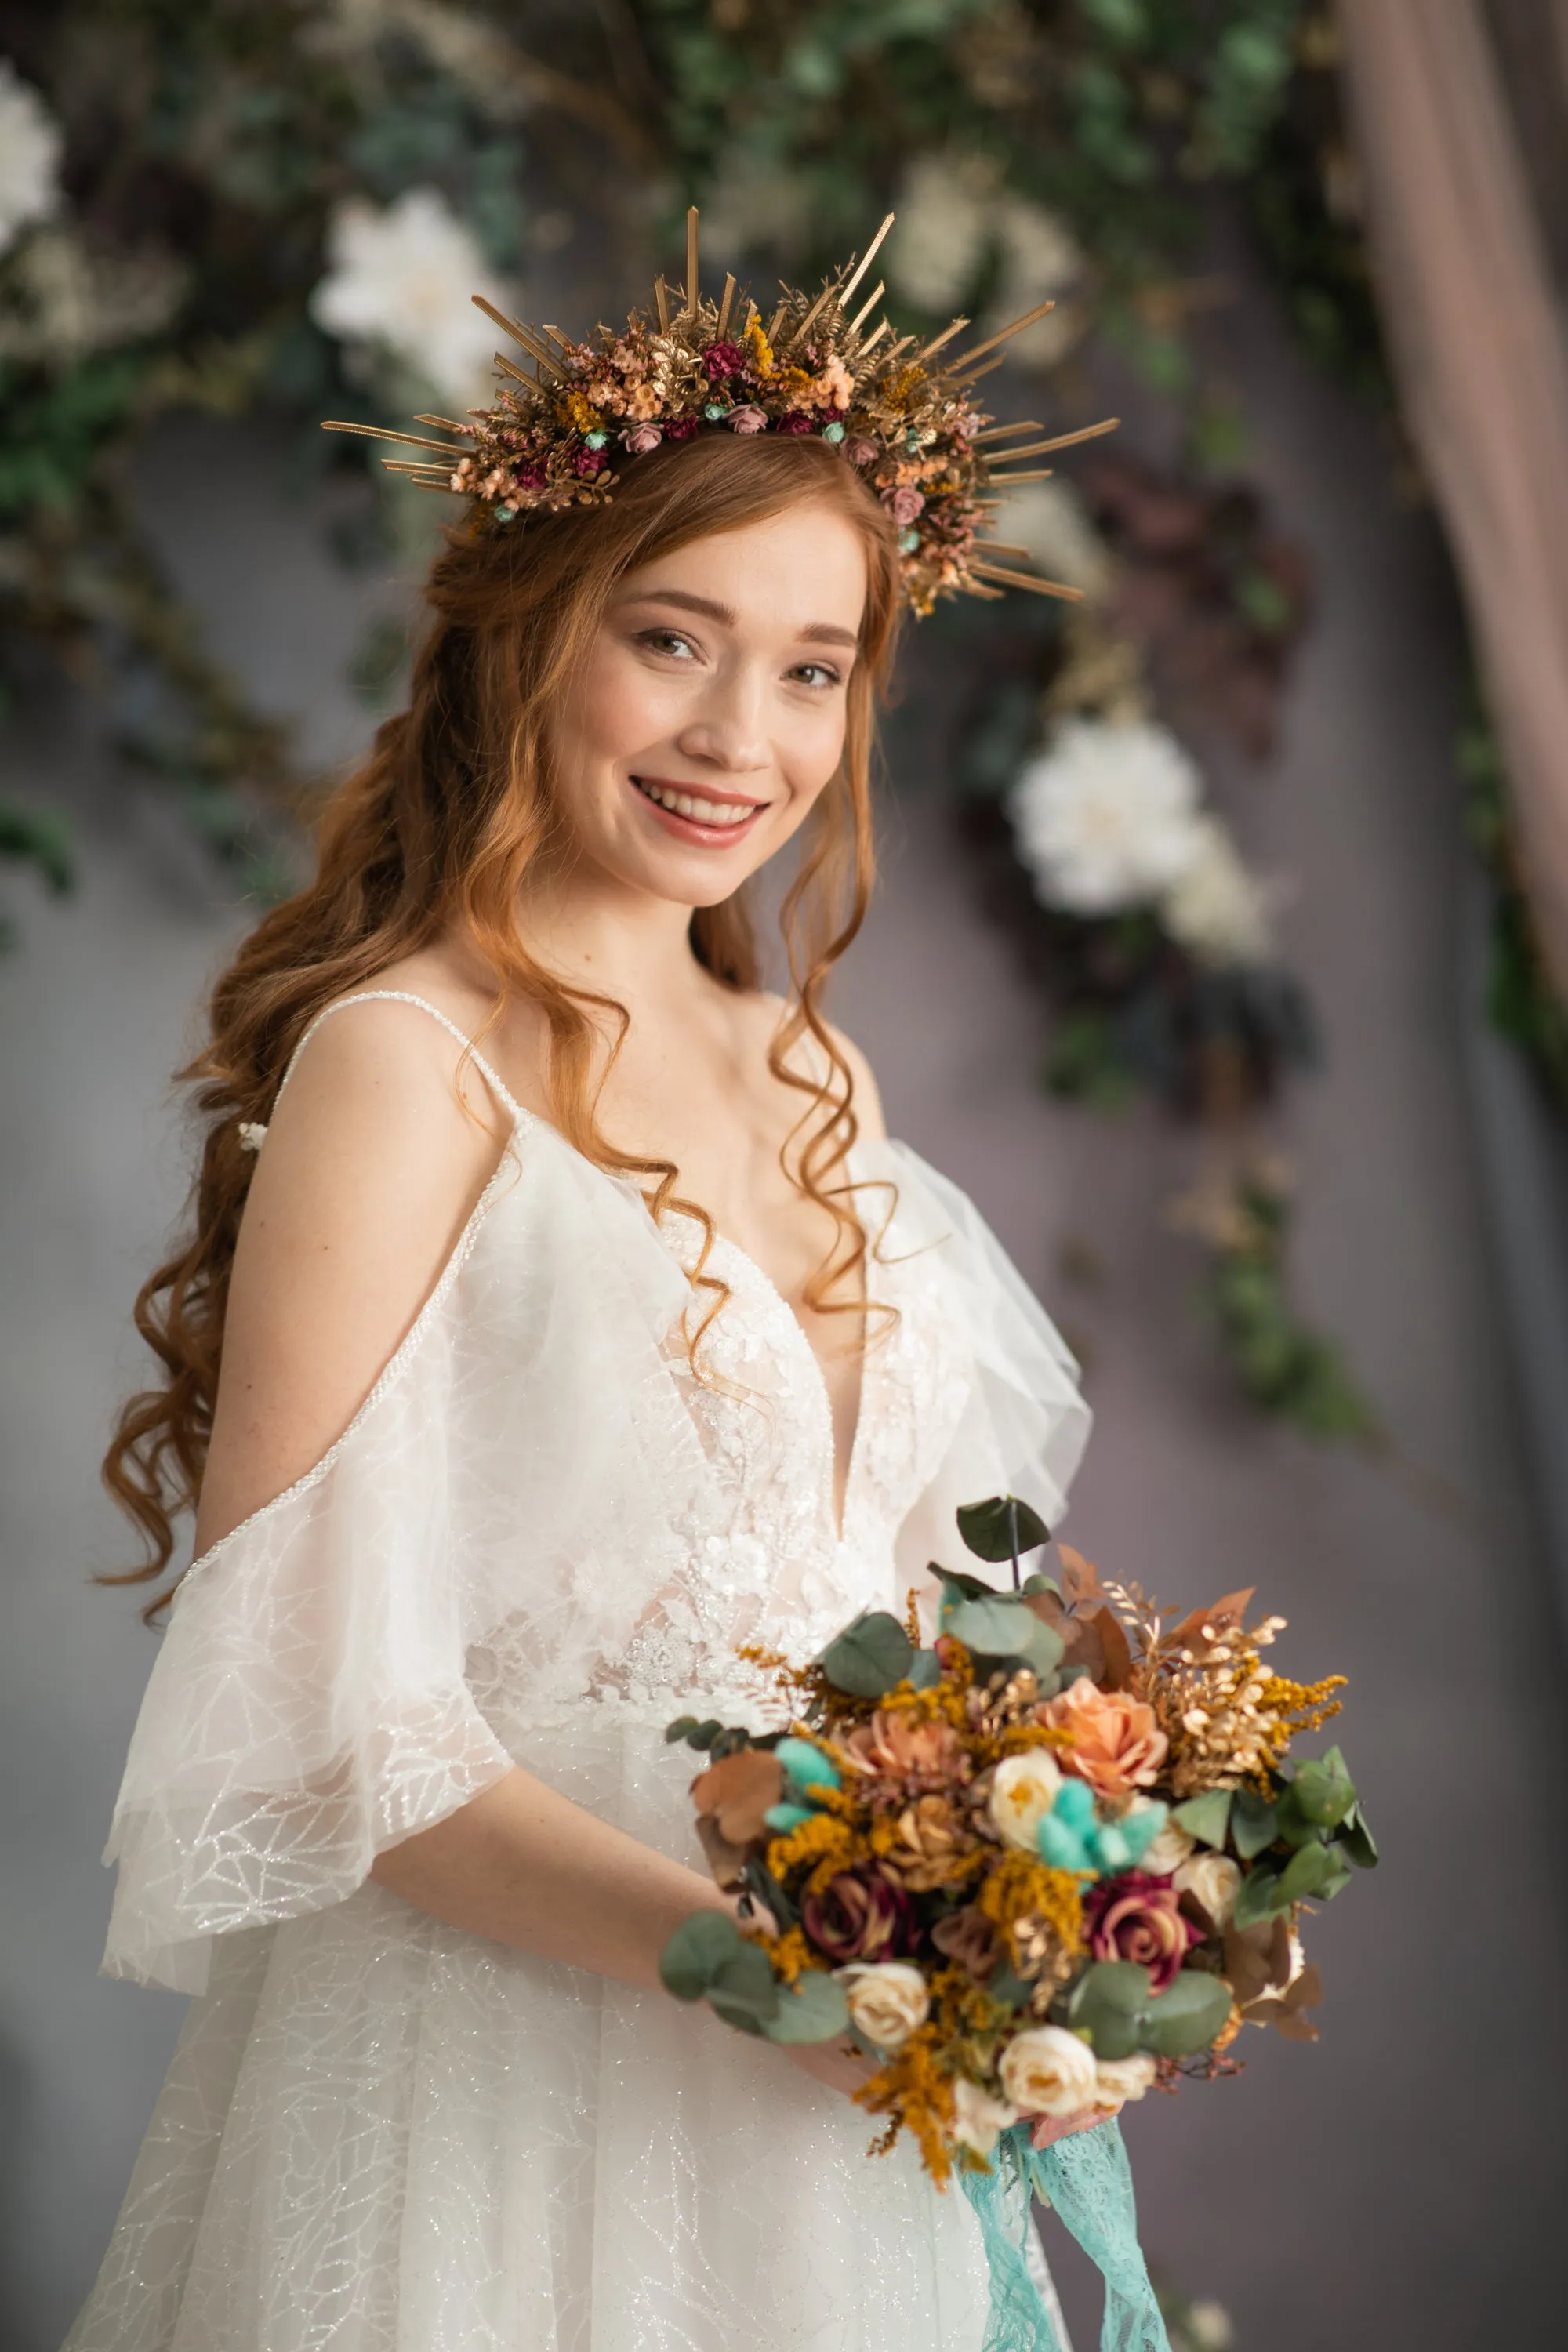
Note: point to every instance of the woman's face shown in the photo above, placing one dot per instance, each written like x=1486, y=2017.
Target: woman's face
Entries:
x=710, y=714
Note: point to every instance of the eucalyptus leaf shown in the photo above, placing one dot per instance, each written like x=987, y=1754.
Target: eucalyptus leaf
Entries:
x=744, y=1991
x=1186, y=2016
x=925, y=1669
x=1004, y=1984
x=958, y=1585
x=1038, y=1584
x=1324, y=1792
x=1307, y=1872
x=705, y=1734
x=696, y=1951
x=1259, y=1898
x=1002, y=1627
x=1357, y=1839
x=814, y=2011
x=681, y=1728
x=1001, y=1527
x=869, y=1656
x=1339, y=1876
x=1205, y=1818
x=1108, y=2002
x=1291, y=1823
x=1252, y=1823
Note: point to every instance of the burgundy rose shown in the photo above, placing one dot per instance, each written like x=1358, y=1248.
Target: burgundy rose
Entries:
x=681, y=428
x=861, y=1915
x=723, y=360
x=588, y=461
x=747, y=419
x=528, y=478
x=794, y=422
x=1137, y=1918
x=640, y=439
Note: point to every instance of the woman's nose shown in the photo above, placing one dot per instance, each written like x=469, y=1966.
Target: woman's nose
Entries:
x=727, y=727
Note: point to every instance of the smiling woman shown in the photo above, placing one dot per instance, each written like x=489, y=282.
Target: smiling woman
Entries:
x=556, y=1319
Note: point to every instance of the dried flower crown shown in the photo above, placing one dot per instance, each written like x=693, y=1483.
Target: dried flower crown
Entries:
x=934, y=459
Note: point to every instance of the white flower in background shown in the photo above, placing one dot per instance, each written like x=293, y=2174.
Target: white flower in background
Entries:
x=1047, y=2070
x=977, y=2117
x=1023, y=1790
x=1210, y=2327
x=945, y=211
x=1214, y=1881
x=1214, y=908
x=401, y=280
x=1049, y=519
x=1118, y=2080
x=68, y=300
x=30, y=145
x=1042, y=261
x=888, y=2000
x=1107, y=817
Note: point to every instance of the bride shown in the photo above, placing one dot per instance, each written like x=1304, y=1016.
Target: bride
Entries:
x=556, y=1317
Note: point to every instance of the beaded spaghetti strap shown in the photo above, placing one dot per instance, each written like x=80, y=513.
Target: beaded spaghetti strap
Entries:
x=253, y=1132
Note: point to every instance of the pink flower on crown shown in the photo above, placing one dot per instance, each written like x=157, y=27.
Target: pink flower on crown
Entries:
x=861, y=451
x=640, y=439
x=749, y=419
x=905, y=504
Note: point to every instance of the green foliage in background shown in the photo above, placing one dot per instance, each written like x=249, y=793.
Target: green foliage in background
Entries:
x=1521, y=1002
x=205, y=150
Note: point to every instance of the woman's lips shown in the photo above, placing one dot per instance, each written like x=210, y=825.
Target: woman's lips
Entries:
x=693, y=816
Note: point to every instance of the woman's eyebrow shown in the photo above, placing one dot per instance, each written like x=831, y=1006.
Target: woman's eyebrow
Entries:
x=816, y=633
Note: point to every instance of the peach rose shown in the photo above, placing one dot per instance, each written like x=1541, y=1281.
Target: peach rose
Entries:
x=1116, y=1745
x=892, y=1744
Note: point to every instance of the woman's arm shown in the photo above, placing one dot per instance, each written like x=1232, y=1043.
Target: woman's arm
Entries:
x=370, y=1171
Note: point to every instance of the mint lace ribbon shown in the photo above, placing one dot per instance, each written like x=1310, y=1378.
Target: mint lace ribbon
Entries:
x=1088, y=2180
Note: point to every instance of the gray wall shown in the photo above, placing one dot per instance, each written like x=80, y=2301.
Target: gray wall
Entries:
x=1389, y=2188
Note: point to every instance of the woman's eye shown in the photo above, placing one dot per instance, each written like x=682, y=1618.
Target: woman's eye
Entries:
x=816, y=673
x=668, y=641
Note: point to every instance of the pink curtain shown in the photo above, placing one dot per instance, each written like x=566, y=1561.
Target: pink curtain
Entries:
x=1469, y=309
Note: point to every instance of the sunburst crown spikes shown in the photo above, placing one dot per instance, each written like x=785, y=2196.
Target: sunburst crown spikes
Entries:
x=555, y=433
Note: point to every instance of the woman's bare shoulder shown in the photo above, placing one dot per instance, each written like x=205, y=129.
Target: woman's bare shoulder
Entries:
x=378, y=1149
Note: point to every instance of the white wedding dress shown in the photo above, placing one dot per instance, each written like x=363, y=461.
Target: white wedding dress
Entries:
x=540, y=1538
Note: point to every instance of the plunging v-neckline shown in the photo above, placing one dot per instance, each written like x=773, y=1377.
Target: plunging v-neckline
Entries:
x=837, y=1513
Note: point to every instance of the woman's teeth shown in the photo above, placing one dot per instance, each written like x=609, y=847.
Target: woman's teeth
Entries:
x=701, y=812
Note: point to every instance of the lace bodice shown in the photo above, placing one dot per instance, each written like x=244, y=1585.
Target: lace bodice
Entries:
x=540, y=1508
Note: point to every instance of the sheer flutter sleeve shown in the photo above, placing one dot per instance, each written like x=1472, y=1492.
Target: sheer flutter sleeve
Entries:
x=1022, y=1423
x=517, y=1473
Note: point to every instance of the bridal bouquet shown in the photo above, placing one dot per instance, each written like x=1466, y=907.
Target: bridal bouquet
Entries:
x=1053, y=1861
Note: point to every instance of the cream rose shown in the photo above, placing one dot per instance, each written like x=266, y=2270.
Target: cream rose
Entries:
x=1118, y=2080
x=1214, y=1881
x=1048, y=2071
x=1167, y=1851
x=1023, y=1791
x=888, y=1998
x=978, y=2117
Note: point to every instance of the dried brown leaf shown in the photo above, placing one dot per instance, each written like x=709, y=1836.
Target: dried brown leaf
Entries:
x=738, y=1791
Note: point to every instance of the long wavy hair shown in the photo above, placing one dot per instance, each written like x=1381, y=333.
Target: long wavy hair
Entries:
x=435, y=834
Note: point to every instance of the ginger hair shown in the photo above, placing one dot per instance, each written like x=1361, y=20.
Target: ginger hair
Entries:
x=434, y=833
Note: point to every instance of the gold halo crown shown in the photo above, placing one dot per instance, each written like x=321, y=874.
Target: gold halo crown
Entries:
x=555, y=434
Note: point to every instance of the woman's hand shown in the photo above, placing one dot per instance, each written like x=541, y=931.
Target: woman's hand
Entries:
x=837, y=2063
x=1046, y=2130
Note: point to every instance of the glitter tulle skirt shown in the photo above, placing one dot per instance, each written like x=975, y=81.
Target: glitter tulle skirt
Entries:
x=380, y=2135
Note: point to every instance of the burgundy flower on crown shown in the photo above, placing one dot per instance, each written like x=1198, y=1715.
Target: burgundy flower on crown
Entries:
x=681, y=428
x=723, y=360
x=794, y=422
x=528, y=478
x=1136, y=1917
x=861, y=1915
x=588, y=461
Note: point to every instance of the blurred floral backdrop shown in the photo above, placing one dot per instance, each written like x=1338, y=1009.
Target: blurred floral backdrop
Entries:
x=278, y=211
